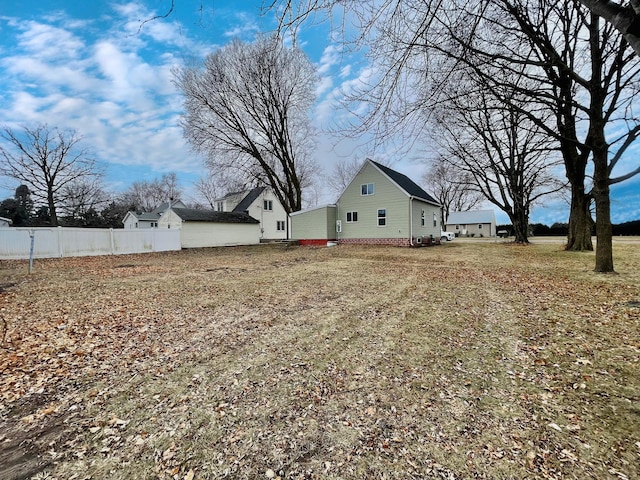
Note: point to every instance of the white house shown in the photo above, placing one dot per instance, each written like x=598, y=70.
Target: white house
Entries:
x=474, y=223
x=261, y=204
x=133, y=220
x=209, y=228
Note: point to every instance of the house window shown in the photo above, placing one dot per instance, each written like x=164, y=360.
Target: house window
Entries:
x=422, y=220
x=435, y=220
x=220, y=206
x=280, y=226
x=382, y=217
x=457, y=227
x=352, y=217
x=366, y=189
x=268, y=205
x=479, y=226
x=136, y=224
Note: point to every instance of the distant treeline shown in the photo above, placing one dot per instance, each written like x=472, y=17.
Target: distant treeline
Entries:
x=562, y=229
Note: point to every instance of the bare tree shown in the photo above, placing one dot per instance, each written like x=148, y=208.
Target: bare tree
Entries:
x=504, y=155
x=146, y=195
x=217, y=184
x=247, y=109
x=584, y=73
x=83, y=195
x=47, y=161
x=452, y=187
x=342, y=173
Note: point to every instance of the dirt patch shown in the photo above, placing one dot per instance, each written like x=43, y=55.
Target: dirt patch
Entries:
x=28, y=446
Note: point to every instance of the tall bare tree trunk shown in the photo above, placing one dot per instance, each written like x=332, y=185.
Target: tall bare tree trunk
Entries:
x=520, y=222
x=580, y=221
x=53, y=216
x=604, y=231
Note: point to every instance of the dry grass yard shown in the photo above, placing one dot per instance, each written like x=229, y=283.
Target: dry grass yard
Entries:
x=469, y=360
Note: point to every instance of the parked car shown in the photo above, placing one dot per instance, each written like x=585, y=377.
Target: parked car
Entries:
x=447, y=236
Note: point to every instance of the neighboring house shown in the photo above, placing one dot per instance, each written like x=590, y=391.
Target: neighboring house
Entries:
x=5, y=222
x=379, y=206
x=262, y=204
x=134, y=220
x=210, y=228
x=474, y=223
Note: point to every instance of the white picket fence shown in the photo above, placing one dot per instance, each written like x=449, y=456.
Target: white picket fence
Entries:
x=51, y=242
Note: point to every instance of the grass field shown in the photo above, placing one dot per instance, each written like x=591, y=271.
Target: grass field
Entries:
x=468, y=360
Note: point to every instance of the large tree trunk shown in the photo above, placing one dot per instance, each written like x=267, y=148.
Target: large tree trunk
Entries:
x=580, y=221
x=520, y=222
x=53, y=217
x=604, y=233
x=597, y=140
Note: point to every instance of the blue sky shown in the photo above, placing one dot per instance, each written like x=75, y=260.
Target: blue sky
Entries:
x=93, y=67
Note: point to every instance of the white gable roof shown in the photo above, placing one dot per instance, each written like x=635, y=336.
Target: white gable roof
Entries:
x=470, y=217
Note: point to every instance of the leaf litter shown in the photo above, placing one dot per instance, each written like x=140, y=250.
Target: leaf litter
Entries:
x=464, y=361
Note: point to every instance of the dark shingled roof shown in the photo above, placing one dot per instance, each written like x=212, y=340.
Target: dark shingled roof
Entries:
x=406, y=183
x=151, y=217
x=195, y=215
x=246, y=202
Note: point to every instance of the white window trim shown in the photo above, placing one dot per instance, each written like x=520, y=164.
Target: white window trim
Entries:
x=373, y=189
x=386, y=218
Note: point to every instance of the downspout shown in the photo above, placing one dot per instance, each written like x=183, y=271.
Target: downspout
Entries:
x=411, y=221
x=335, y=226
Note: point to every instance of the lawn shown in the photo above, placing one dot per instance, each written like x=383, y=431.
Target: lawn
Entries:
x=467, y=360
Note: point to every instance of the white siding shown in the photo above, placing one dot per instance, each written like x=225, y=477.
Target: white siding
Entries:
x=130, y=221
x=170, y=220
x=210, y=234
x=269, y=218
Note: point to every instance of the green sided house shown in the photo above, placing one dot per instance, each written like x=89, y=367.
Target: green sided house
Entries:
x=315, y=226
x=379, y=207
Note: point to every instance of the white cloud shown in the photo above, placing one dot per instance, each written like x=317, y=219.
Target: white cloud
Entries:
x=113, y=89
x=331, y=56
x=48, y=42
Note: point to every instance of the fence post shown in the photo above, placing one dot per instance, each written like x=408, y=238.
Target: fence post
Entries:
x=32, y=235
x=60, y=240
x=113, y=246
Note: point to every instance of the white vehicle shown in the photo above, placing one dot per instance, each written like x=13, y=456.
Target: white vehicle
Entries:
x=447, y=236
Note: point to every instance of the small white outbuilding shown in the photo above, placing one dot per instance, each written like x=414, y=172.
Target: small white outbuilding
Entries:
x=209, y=228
